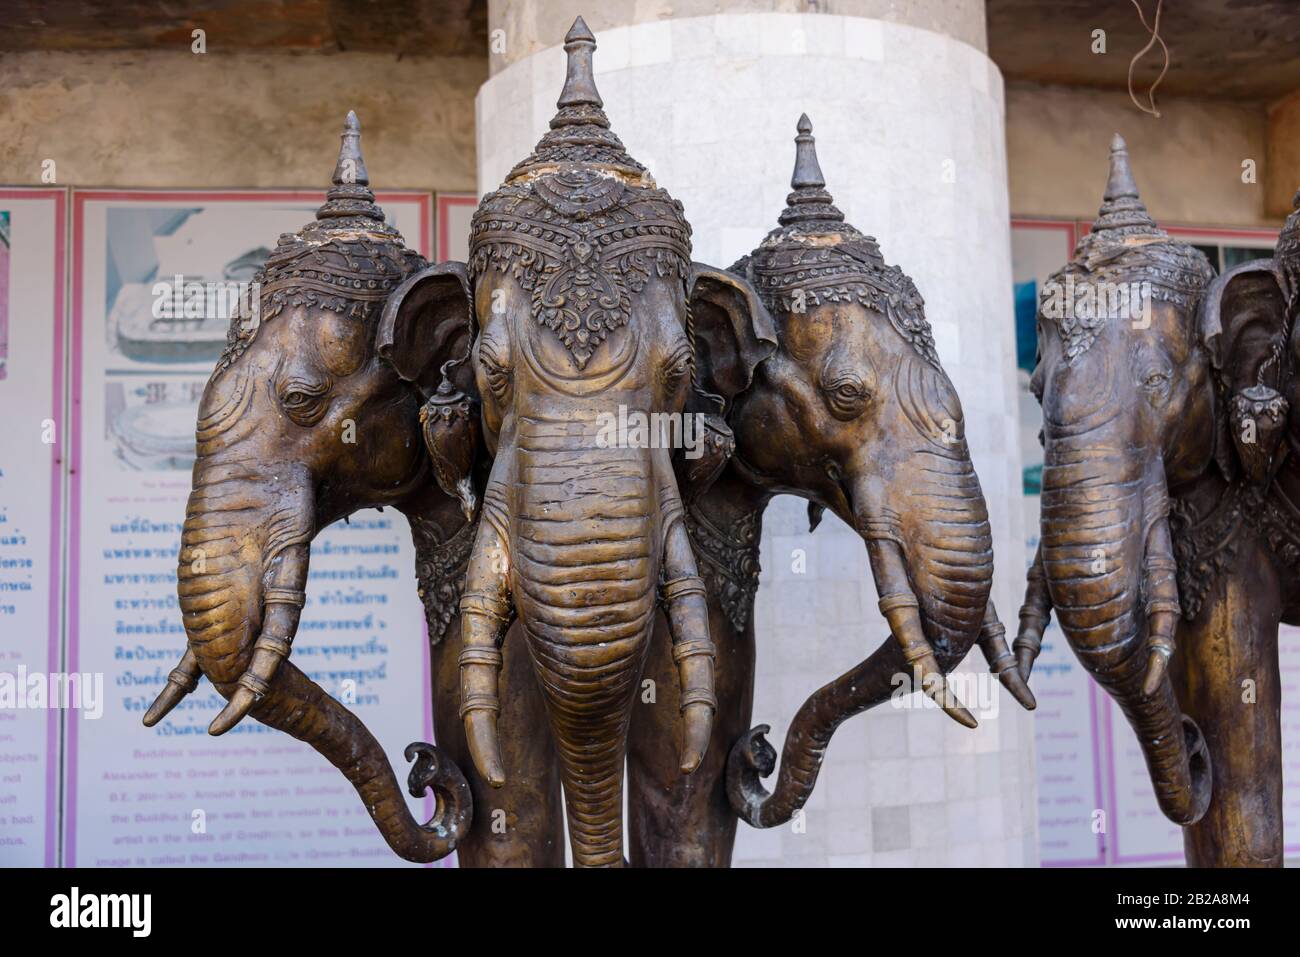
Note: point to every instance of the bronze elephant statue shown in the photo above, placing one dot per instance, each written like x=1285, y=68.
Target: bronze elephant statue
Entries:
x=853, y=412
x=1170, y=540
x=304, y=421
x=587, y=309
x=559, y=569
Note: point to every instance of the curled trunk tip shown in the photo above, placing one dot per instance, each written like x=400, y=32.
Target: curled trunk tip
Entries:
x=1190, y=808
x=751, y=759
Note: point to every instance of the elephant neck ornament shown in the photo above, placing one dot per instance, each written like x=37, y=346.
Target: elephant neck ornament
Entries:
x=580, y=275
x=304, y=420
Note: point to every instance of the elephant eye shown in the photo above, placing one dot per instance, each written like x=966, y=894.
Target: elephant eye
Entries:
x=303, y=401
x=678, y=367
x=847, y=396
x=1156, y=380
x=498, y=380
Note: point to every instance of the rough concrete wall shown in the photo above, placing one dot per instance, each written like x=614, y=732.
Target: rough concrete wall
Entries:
x=235, y=120
x=1187, y=162
x=528, y=27
x=1283, y=155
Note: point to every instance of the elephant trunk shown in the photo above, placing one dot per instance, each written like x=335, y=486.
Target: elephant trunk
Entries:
x=1108, y=564
x=934, y=577
x=244, y=551
x=587, y=564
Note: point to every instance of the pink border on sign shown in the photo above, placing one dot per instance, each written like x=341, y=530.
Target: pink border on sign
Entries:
x=79, y=200
x=445, y=202
x=56, y=503
x=1067, y=226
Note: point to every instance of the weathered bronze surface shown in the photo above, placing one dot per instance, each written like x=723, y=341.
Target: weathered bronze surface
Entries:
x=304, y=421
x=584, y=299
x=559, y=570
x=853, y=412
x=1170, y=534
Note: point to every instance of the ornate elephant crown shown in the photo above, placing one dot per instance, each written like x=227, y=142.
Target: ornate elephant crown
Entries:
x=1125, y=244
x=815, y=257
x=579, y=223
x=348, y=259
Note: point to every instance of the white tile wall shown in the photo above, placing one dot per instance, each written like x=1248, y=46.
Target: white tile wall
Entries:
x=909, y=127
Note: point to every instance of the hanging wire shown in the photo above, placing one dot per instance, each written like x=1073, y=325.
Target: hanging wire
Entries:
x=1155, y=38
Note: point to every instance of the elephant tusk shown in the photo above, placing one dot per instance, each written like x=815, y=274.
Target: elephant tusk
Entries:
x=901, y=610
x=685, y=601
x=480, y=705
x=1163, y=606
x=182, y=681
x=1034, y=616
x=272, y=647
x=1002, y=662
x=1162, y=621
x=899, y=605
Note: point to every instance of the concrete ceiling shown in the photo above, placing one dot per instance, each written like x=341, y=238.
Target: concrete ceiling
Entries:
x=1240, y=49
x=406, y=27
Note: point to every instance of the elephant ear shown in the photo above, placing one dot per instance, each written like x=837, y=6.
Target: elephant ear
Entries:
x=1244, y=330
x=425, y=334
x=732, y=333
x=428, y=323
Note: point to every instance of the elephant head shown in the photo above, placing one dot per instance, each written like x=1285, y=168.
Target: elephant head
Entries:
x=1126, y=379
x=304, y=421
x=855, y=412
x=1247, y=321
x=582, y=286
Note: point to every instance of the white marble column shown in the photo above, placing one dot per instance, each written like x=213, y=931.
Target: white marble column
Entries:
x=910, y=132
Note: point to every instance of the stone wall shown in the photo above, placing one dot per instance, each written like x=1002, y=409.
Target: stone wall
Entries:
x=1187, y=162
x=235, y=120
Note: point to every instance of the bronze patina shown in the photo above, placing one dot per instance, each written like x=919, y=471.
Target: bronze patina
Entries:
x=582, y=289
x=1170, y=538
x=853, y=412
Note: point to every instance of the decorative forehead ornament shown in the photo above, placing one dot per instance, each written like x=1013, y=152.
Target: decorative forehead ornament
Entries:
x=346, y=260
x=579, y=223
x=1124, y=246
x=815, y=257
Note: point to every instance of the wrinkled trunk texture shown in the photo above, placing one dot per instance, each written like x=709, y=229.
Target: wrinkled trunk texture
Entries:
x=238, y=520
x=587, y=563
x=947, y=546
x=1096, y=516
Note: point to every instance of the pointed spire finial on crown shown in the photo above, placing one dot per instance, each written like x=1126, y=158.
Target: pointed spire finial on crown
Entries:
x=807, y=171
x=809, y=202
x=350, y=194
x=1122, y=207
x=580, y=132
x=579, y=81
x=1121, y=176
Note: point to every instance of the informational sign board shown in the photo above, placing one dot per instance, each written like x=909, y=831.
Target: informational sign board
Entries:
x=32, y=279
x=173, y=795
x=1096, y=804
